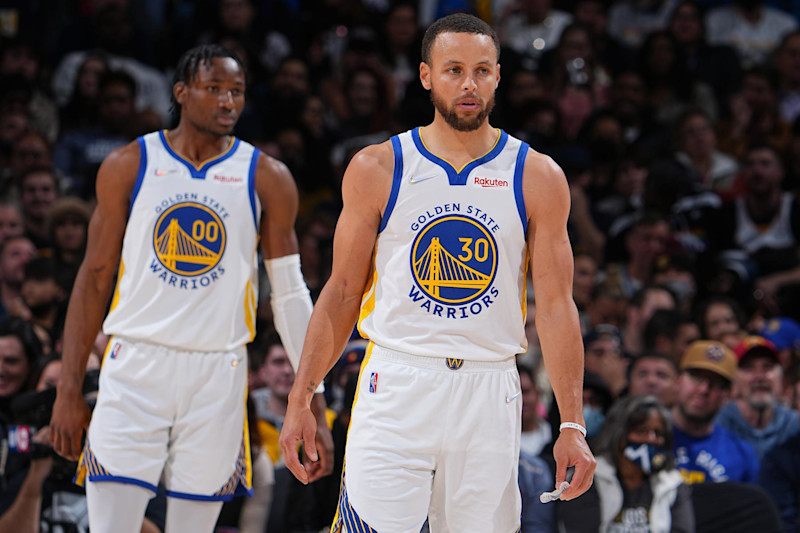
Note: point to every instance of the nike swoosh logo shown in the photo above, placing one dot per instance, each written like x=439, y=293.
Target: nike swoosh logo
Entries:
x=510, y=399
x=161, y=172
x=415, y=179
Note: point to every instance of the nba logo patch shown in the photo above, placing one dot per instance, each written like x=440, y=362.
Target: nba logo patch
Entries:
x=115, y=350
x=373, y=382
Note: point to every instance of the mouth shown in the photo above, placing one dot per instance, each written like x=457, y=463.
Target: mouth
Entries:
x=470, y=104
x=226, y=120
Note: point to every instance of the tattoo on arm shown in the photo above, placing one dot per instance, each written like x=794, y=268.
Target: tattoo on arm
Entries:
x=312, y=386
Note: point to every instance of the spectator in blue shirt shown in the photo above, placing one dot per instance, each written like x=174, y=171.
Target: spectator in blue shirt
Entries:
x=705, y=451
x=757, y=416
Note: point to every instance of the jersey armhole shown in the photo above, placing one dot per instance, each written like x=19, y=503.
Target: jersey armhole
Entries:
x=140, y=174
x=396, y=179
x=519, y=171
x=251, y=184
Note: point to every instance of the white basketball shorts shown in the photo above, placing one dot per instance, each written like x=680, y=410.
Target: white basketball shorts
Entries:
x=173, y=416
x=432, y=437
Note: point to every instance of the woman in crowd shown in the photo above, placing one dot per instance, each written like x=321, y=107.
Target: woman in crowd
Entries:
x=636, y=486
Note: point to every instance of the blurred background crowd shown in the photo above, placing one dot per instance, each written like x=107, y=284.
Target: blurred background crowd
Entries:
x=677, y=124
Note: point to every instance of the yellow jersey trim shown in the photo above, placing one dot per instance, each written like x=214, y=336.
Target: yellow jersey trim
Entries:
x=120, y=273
x=200, y=166
x=499, y=135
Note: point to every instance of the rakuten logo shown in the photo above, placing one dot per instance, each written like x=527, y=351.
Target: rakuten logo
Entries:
x=491, y=182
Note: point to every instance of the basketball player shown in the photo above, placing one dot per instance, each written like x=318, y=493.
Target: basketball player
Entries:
x=432, y=247
x=183, y=208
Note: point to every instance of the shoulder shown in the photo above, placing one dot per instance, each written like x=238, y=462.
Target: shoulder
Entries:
x=124, y=155
x=542, y=172
x=267, y=167
x=120, y=168
x=273, y=178
x=374, y=158
x=369, y=174
x=544, y=184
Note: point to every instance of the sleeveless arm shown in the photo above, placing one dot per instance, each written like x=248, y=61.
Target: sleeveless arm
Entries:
x=365, y=189
x=87, y=305
x=547, y=203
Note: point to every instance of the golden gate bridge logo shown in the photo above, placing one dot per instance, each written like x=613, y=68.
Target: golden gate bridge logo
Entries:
x=454, y=260
x=189, y=239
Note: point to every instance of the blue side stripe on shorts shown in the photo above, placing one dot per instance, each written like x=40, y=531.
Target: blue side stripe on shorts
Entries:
x=353, y=522
x=95, y=472
x=238, y=478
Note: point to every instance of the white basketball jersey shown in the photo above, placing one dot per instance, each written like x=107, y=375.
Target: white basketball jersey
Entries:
x=188, y=273
x=451, y=255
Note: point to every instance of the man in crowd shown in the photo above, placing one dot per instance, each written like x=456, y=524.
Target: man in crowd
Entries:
x=705, y=451
x=756, y=416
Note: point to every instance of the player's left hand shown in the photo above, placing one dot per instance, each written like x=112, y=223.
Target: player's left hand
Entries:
x=323, y=441
x=299, y=427
x=571, y=450
x=324, y=466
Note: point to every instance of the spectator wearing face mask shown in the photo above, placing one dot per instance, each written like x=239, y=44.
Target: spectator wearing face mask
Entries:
x=636, y=485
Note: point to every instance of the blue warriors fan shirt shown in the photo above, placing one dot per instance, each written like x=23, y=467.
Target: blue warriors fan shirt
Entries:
x=188, y=272
x=450, y=261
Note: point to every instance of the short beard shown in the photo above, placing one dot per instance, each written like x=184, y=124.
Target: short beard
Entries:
x=458, y=123
x=697, y=419
x=759, y=405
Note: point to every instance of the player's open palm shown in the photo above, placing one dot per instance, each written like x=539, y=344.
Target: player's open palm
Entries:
x=299, y=427
x=571, y=450
x=70, y=418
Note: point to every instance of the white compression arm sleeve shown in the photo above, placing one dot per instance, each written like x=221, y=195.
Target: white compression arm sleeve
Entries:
x=291, y=305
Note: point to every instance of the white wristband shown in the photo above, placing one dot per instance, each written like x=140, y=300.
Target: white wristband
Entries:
x=572, y=425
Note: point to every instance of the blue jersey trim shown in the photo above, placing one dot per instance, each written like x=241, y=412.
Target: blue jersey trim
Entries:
x=397, y=178
x=352, y=521
x=519, y=171
x=204, y=498
x=199, y=173
x=124, y=480
x=459, y=177
x=251, y=184
x=140, y=175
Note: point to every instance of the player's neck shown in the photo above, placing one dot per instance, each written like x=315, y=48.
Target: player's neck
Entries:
x=458, y=147
x=195, y=145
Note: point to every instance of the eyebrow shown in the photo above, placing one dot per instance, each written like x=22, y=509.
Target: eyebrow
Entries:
x=449, y=62
x=219, y=80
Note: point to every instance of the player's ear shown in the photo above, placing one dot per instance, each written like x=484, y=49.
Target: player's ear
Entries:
x=179, y=92
x=497, y=75
x=425, y=75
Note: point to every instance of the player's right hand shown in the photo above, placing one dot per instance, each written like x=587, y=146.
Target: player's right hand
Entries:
x=70, y=418
x=299, y=427
x=571, y=449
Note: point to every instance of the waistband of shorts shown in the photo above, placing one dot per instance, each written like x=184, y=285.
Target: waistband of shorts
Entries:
x=163, y=348
x=442, y=363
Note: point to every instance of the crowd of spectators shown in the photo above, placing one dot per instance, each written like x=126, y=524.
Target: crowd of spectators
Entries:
x=676, y=122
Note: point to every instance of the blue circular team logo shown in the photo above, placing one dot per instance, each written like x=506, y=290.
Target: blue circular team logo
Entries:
x=454, y=260
x=189, y=239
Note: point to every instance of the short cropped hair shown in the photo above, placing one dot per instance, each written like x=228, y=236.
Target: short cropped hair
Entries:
x=456, y=23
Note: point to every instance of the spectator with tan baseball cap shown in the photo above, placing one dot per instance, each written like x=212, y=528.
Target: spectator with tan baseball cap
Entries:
x=705, y=451
x=757, y=415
